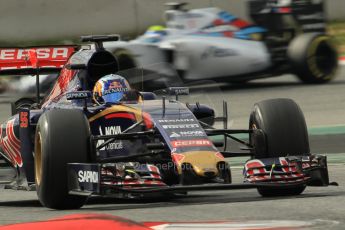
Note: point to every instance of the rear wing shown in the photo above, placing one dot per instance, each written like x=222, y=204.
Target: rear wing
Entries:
x=308, y=15
x=34, y=60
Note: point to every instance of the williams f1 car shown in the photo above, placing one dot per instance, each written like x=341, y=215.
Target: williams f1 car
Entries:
x=69, y=146
x=286, y=37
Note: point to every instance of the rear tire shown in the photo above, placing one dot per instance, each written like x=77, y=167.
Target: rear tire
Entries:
x=285, y=133
x=313, y=58
x=62, y=137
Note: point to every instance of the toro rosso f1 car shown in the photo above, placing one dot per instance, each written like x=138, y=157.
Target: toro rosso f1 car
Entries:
x=210, y=43
x=68, y=147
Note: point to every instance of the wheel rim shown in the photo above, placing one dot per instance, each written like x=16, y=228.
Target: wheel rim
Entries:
x=38, y=159
x=323, y=59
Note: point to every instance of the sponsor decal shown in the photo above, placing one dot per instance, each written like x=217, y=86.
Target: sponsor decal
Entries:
x=175, y=120
x=191, y=143
x=115, y=145
x=179, y=91
x=173, y=134
x=213, y=51
x=78, y=95
x=196, y=133
x=24, y=120
x=110, y=130
x=18, y=54
x=115, y=90
x=87, y=176
x=181, y=126
x=14, y=58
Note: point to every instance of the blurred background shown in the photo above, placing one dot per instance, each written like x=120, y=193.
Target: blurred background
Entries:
x=48, y=21
x=42, y=22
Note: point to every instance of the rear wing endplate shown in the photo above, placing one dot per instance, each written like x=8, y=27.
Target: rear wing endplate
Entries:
x=309, y=15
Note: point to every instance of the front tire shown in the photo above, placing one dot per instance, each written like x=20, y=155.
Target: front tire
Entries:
x=285, y=133
x=62, y=137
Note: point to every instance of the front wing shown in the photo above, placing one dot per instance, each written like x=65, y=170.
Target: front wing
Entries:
x=312, y=169
x=100, y=179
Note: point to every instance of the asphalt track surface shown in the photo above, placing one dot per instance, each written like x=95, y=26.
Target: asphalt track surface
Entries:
x=322, y=208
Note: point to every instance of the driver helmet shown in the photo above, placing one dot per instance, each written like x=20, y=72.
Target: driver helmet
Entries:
x=155, y=34
x=110, y=89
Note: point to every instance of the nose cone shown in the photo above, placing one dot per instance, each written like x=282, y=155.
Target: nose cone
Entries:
x=204, y=163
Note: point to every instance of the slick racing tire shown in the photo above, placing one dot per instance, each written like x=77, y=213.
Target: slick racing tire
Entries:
x=313, y=58
x=283, y=132
x=62, y=137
